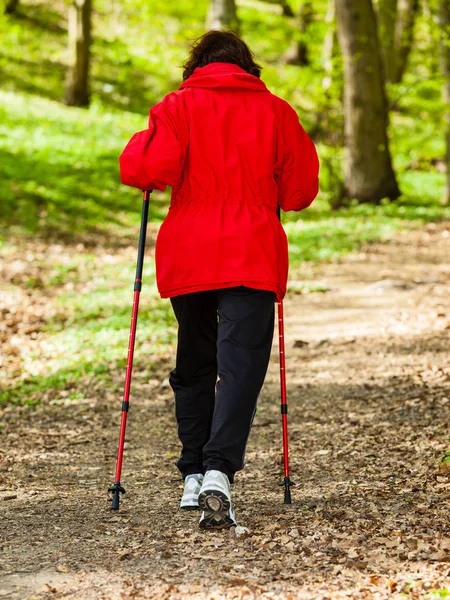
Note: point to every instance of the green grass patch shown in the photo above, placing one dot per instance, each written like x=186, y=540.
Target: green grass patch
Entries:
x=322, y=234
x=87, y=339
x=60, y=181
x=437, y=593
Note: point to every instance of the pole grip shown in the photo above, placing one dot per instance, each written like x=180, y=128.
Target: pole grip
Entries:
x=142, y=238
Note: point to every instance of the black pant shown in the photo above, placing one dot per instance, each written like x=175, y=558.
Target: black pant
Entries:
x=228, y=333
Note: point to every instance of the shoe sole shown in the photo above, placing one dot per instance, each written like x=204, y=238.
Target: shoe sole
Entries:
x=190, y=507
x=215, y=505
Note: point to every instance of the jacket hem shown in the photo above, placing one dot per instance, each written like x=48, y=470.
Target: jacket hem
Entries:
x=259, y=285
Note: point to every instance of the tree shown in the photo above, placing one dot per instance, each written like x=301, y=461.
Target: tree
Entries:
x=300, y=56
x=287, y=10
x=11, y=7
x=444, y=25
x=387, y=19
x=222, y=15
x=284, y=5
x=77, y=82
x=396, y=20
x=369, y=175
x=329, y=44
x=404, y=35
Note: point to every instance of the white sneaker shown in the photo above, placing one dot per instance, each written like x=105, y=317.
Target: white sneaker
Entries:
x=215, y=501
x=192, y=485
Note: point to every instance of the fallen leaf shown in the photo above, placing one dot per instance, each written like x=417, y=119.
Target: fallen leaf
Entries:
x=241, y=532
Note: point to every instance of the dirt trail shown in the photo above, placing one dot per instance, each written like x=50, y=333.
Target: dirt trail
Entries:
x=369, y=407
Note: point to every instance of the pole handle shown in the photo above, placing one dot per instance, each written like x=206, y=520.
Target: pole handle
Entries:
x=142, y=238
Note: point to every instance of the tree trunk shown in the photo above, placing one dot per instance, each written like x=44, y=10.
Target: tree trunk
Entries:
x=404, y=34
x=387, y=19
x=11, y=7
x=444, y=26
x=222, y=15
x=77, y=82
x=287, y=10
x=369, y=175
x=305, y=18
x=329, y=45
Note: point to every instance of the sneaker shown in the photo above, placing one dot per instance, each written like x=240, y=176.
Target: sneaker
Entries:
x=192, y=485
x=215, y=501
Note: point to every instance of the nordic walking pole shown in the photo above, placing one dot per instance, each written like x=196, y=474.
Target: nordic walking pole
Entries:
x=286, y=481
x=117, y=489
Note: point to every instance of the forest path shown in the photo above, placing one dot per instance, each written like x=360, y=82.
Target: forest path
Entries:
x=369, y=411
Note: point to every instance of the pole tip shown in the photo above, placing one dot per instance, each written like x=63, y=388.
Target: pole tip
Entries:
x=287, y=495
x=115, y=500
x=287, y=490
x=116, y=490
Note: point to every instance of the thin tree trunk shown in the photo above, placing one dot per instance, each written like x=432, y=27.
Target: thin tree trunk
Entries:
x=287, y=10
x=444, y=25
x=404, y=35
x=305, y=18
x=368, y=174
x=222, y=14
x=329, y=45
x=77, y=82
x=387, y=19
x=11, y=7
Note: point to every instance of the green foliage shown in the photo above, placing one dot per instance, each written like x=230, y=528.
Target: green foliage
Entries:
x=60, y=169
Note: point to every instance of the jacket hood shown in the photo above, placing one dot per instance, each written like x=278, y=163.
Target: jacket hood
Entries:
x=224, y=75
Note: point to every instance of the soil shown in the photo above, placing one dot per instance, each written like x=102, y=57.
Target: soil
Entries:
x=369, y=406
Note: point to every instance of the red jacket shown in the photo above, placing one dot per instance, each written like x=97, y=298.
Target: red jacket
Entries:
x=232, y=151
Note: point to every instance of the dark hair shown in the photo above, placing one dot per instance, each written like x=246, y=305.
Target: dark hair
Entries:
x=220, y=46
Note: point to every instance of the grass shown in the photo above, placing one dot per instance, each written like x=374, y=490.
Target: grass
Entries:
x=85, y=339
x=438, y=593
x=71, y=188
x=60, y=178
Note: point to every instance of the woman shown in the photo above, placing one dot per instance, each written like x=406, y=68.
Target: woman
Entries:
x=232, y=153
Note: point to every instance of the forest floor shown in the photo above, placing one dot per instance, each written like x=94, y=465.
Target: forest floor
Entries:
x=369, y=411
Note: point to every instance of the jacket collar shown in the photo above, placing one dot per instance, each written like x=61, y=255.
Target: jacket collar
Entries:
x=224, y=75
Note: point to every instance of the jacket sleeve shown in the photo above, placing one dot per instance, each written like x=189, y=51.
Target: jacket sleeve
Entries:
x=152, y=158
x=297, y=173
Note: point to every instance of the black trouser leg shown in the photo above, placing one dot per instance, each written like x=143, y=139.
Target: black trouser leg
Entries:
x=245, y=335
x=194, y=378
